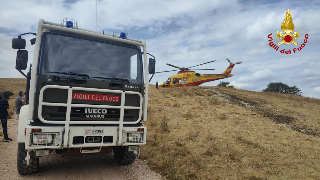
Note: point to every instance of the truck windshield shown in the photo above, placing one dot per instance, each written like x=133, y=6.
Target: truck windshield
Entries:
x=98, y=60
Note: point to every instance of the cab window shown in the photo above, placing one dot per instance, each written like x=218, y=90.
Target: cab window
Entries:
x=179, y=80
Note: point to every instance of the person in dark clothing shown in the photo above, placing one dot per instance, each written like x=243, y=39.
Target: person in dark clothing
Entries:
x=157, y=86
x=4, y=105
x=18, y=103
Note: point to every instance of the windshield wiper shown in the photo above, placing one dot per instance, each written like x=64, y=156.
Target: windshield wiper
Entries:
x=71, y=73
x=113, y=79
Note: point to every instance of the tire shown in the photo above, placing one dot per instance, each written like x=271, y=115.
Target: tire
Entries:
x=122, y=156
x=23, y=169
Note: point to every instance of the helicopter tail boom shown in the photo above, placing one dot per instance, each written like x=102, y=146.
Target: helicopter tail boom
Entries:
x=229, y=69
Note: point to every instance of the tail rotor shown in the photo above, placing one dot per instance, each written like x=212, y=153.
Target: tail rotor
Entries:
x=233, y=63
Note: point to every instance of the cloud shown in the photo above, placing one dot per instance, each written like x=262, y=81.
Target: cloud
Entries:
x=186, y=33
x=265, y=74
x=309, y=95
x=258, y=51
x=111, y=14
x=316, y=89
x=310, y=73
x=315, y=64
x=240, y=85
x=263, y=25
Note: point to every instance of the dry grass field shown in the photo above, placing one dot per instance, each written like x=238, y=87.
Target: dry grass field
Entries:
x=225, y=133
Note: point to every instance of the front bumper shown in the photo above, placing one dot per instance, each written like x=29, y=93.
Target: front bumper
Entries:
x=83, y=136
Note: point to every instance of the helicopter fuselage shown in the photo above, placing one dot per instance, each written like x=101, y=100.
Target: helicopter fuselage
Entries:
x=186, y=77
x=191, y=78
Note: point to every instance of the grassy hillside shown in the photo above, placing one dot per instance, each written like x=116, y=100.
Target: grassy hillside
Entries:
x=224, y=133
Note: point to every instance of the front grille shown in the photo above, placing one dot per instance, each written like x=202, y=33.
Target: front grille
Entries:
x=82, y=114
x=78, y=140
x=89, y=104
x=108, y=139
x=93, y=139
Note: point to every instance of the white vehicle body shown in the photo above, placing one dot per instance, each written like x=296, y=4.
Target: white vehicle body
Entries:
x=61, y=133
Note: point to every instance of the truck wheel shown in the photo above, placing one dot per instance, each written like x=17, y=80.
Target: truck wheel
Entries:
x=23, y=169
x=122, y=156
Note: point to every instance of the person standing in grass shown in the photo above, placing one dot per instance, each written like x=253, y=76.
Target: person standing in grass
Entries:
x=4, y=105
x=19, y=103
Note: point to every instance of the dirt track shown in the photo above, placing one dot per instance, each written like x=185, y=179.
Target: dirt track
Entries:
x=56, y=166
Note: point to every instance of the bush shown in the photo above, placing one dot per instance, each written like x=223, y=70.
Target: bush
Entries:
x=225, y=84
x=282, y=88
x=7, y=94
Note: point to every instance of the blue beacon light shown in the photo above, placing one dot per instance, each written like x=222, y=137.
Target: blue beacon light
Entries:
x=69, y=24
x=123, y=35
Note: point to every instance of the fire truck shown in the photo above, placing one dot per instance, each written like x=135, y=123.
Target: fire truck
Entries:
x=87, y=93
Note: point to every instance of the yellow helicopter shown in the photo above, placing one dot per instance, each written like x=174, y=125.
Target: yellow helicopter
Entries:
x=188, y=77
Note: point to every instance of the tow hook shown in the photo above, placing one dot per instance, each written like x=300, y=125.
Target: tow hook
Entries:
x=135, y=150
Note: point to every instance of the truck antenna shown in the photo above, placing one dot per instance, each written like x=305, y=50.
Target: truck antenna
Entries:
x=96, y=15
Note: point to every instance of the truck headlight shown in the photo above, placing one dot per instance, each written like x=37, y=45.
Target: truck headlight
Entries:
x=134, y=137
x=43, y=139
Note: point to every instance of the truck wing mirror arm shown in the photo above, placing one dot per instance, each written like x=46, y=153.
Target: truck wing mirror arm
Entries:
x=151, y=77
x=152, y=66
x=22, y=73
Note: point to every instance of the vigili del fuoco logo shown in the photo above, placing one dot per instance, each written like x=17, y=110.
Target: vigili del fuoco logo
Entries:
x=287, y=36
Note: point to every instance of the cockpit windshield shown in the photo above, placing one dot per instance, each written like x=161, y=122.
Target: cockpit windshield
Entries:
x=100, y=60
x=168, y=80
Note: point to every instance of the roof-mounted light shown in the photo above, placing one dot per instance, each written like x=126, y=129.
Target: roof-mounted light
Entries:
x=123, y=35
x=69, y=23
x=120, y=34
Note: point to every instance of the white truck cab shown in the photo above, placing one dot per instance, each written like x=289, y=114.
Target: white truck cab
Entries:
x=87, y=92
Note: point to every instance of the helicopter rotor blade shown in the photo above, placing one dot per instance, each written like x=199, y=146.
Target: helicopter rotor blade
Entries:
x=201, y=69
x=174, y=66
x=167, y=71
x=202, y=64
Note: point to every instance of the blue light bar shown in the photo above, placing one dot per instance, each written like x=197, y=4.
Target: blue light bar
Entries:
x=123, y=35
x=69, y=24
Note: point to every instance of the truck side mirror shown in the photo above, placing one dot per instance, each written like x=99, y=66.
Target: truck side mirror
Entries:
x=22, y=60
x=152, y=66
x=18, y=43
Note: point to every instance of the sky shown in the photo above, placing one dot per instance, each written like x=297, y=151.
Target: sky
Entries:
x=187, y=33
